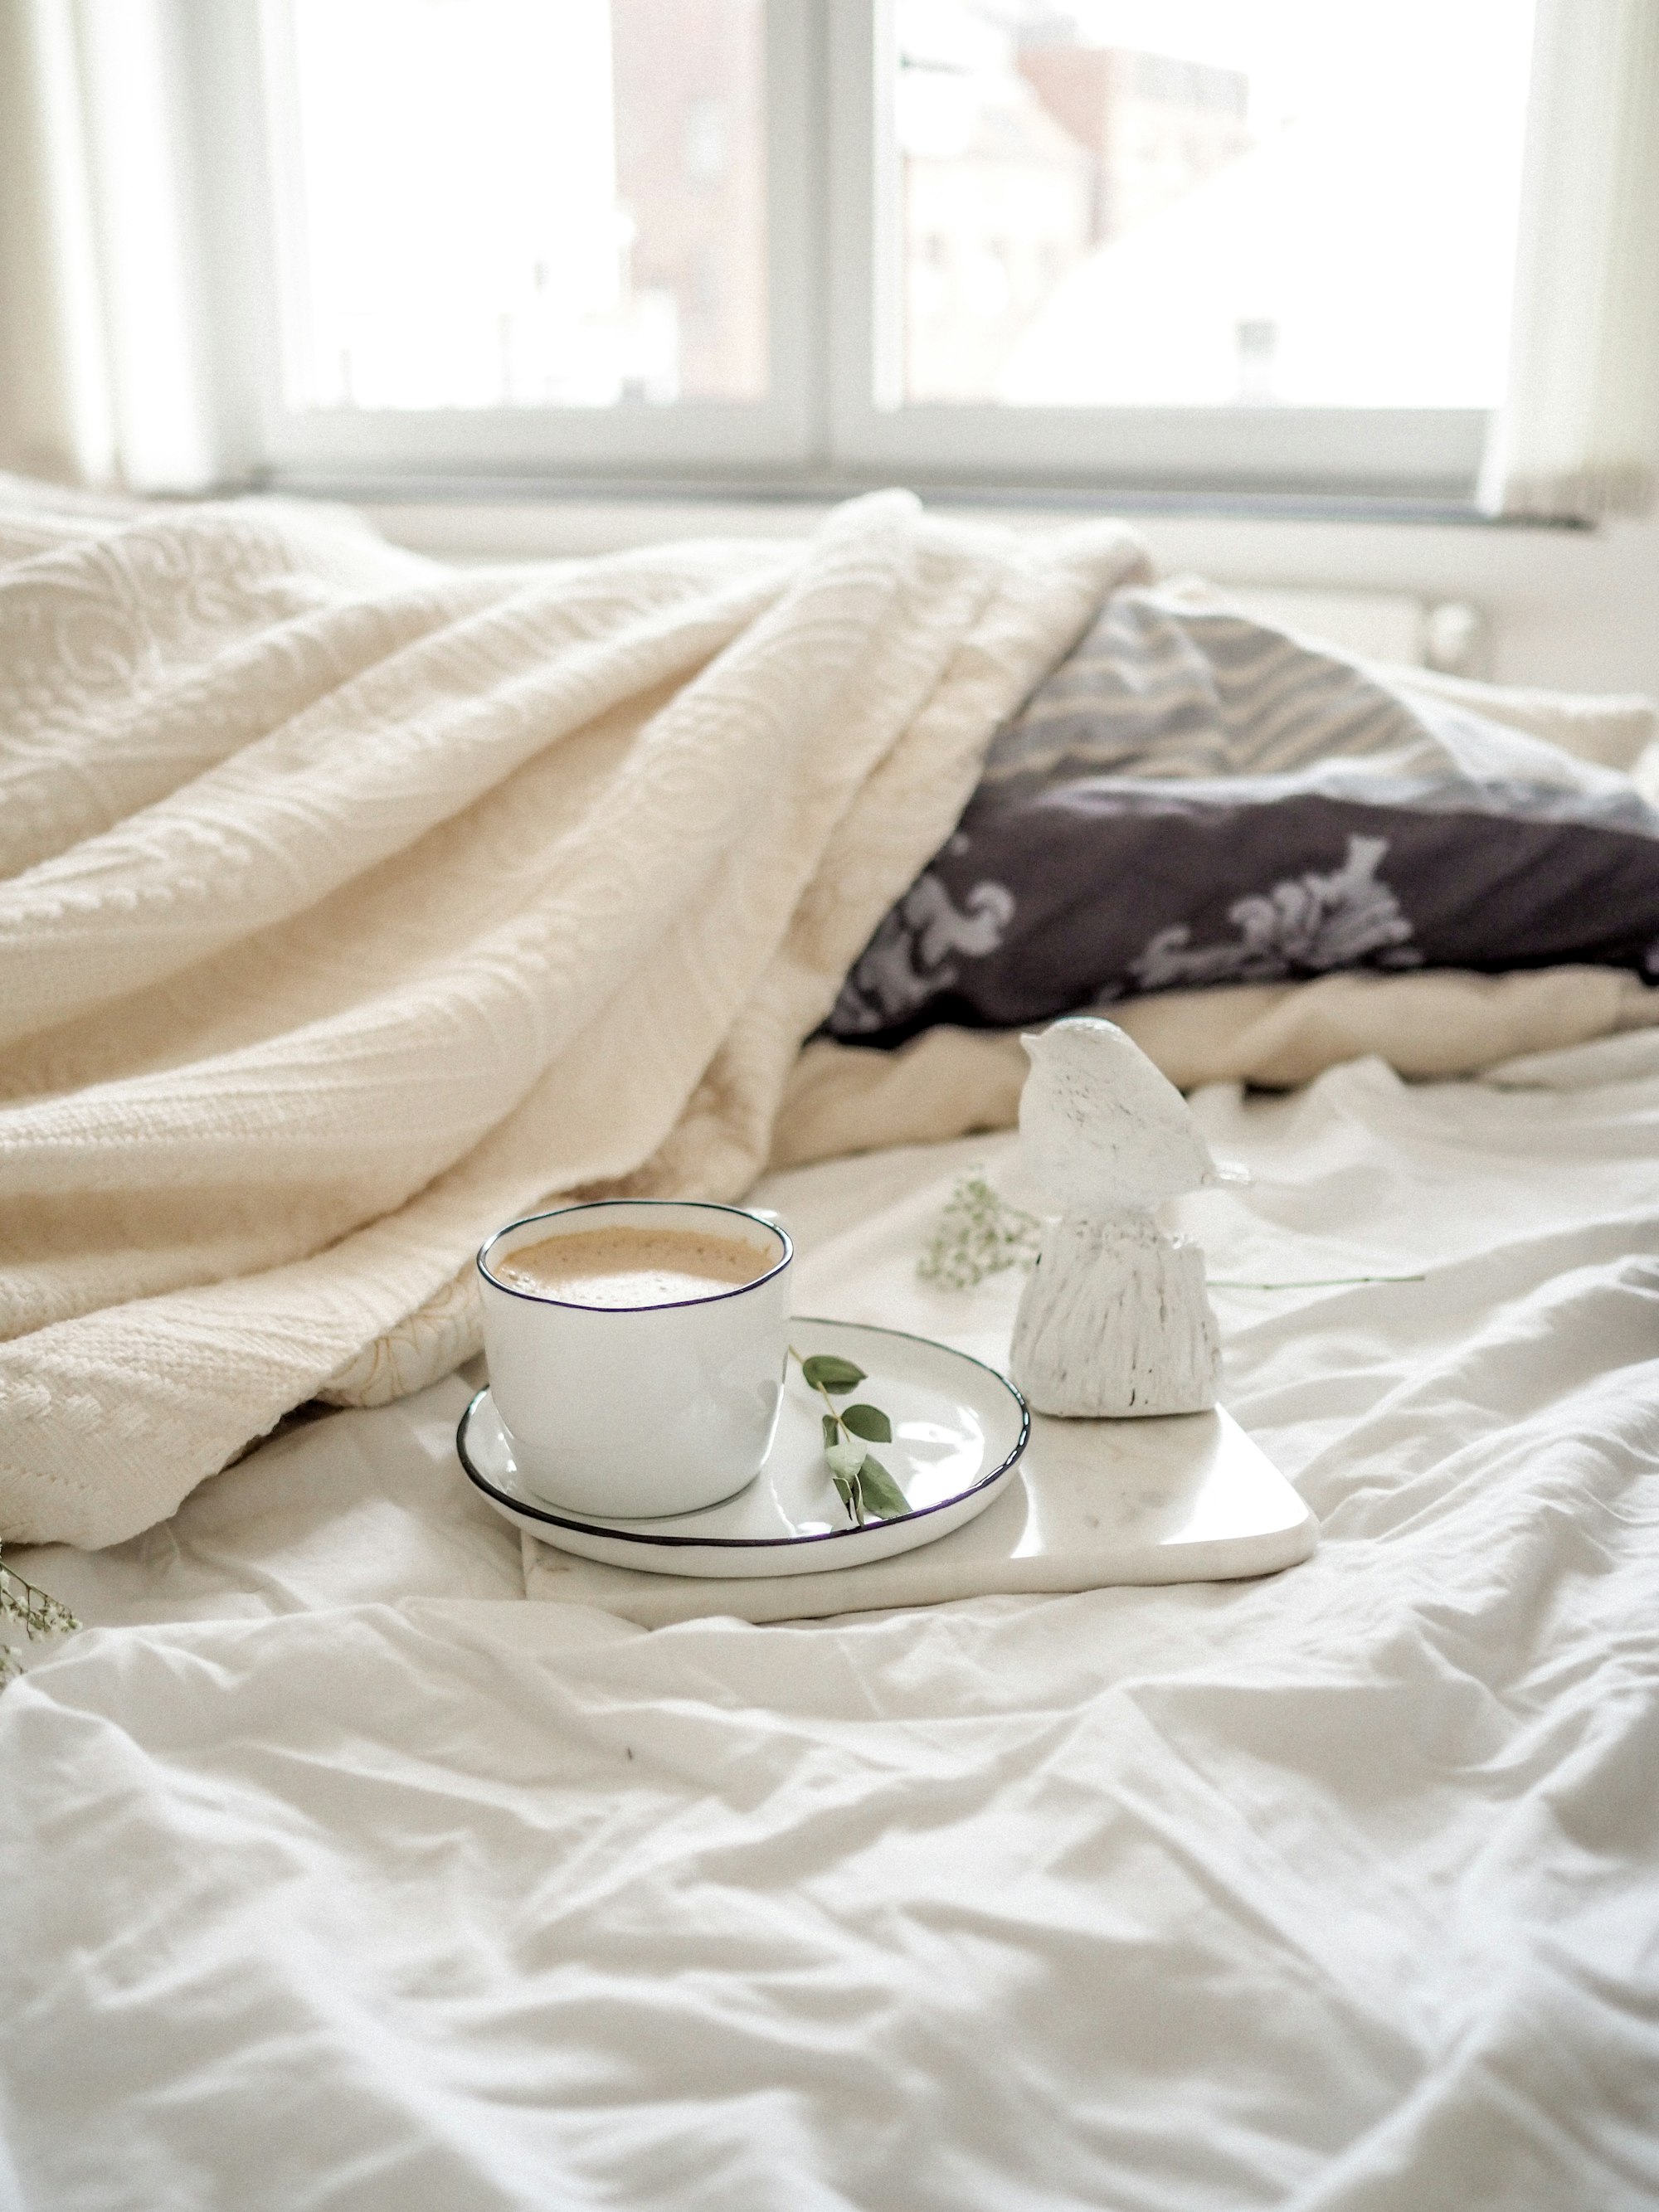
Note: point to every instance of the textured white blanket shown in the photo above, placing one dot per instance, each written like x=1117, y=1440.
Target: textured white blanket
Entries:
x=349, y=905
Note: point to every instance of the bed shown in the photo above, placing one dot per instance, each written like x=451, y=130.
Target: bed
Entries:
x=345, y=1862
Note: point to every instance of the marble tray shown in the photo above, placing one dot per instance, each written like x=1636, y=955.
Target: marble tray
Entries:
x=1187, y=1499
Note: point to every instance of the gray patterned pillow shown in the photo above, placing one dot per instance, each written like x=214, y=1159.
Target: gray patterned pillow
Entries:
x=1193, y=798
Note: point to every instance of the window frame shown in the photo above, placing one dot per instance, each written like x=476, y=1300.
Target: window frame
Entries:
x=238, y=44
x=833, y=303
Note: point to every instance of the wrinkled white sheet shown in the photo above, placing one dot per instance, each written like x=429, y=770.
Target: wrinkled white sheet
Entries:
x=349, y=1879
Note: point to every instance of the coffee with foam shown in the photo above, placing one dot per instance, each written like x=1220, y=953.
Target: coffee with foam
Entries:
x=621, y=1267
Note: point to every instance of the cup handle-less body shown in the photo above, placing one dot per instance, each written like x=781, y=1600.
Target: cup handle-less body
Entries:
x=641, y=1411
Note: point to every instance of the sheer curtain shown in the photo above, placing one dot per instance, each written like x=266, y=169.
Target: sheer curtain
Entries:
x=103, y=363
x=1578, y=435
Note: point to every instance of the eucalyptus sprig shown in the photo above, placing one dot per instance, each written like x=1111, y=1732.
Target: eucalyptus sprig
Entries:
x=862, y=1483
x=35, y=1611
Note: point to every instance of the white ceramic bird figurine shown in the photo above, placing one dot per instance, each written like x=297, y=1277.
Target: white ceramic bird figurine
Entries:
x=1115, y=1319
x=1100, y=1128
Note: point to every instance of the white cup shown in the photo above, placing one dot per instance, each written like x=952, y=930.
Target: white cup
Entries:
x=632, y=1411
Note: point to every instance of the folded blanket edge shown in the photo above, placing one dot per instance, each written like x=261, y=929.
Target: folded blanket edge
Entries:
x=1433, y=1025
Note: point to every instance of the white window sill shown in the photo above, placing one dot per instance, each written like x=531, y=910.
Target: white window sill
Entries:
x=1567, y=609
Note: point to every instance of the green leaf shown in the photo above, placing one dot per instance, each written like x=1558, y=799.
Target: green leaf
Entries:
x=824, y=1372
x=845, y=1460
x=849, y=1494
x=831, y=1431
x=868, y=1421
x=882, y=1495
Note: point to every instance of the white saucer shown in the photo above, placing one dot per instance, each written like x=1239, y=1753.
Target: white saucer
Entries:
x=959, y=1429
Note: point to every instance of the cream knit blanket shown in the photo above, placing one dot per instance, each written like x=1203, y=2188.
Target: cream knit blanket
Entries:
x=350, y=904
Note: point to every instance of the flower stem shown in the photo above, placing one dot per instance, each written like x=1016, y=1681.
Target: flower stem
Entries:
x=1317, y=1283
x=35, y=1611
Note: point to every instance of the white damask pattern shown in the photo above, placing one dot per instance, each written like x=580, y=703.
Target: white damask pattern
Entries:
x=909, y=960
x=1304, y=925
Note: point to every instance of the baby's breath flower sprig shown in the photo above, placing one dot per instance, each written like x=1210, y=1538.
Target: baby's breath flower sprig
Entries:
x=979, y=1234
x=35, y=1611
x=862, y=1483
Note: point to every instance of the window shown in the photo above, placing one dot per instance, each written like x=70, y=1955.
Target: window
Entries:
x=1215, y=243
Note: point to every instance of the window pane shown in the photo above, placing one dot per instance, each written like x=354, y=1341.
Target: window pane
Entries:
x=504, y=202
x=1208, y=202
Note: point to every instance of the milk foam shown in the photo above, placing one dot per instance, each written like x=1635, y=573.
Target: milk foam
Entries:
x=623, y=1267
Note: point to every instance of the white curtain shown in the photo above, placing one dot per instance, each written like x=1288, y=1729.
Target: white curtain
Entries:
x=103, y=364
x=1578, y=434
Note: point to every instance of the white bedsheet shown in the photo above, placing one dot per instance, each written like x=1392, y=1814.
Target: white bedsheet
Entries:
x=338, y=1875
